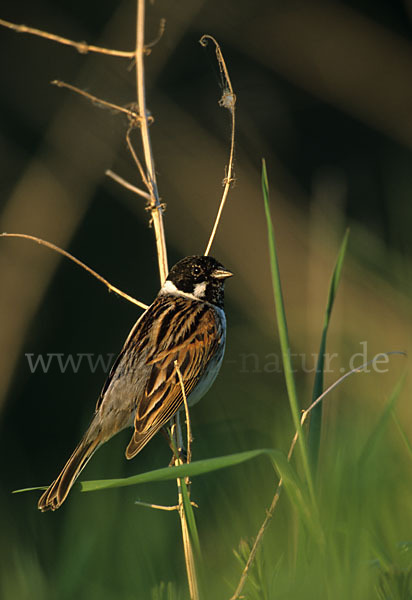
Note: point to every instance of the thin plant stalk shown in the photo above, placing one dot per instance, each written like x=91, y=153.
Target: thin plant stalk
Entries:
x=81, y=47
x=228, y=100
x=127, y=185
x=156, y=211
x=187, y=546
x=81, y=264
x=131, y=114
x=187, y=519
x=187, y=414
x=155, y=205
x=143, y=120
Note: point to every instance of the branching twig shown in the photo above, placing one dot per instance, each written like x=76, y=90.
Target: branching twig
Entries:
x=98, y=101
x=161, y=506
x=127, y=185
x=82, y=47
x=270, y=511
x=137, y=162
x=155, y=206
x=111, y=287
x=228, y=100
x=162, y=27
x=142, y=119
x=156, y=210
x=157, y=506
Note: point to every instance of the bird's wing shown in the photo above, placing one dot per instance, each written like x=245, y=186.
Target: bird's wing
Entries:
x=188, y=332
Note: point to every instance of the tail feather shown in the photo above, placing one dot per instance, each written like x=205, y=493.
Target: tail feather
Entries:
x=57, y=492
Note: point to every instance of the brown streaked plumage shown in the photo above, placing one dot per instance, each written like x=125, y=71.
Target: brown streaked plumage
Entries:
x=186, y=323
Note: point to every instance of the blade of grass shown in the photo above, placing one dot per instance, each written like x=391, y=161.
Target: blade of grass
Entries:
x=187, y=470
x=190, y=517
x=296, y=490
x=200, y=467
x=284, y=338
x=316, y=416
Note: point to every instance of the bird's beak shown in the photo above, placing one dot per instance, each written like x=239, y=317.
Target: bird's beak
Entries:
x=221, y=274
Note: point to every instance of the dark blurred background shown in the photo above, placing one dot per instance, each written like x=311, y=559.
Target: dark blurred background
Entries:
x=324, y=93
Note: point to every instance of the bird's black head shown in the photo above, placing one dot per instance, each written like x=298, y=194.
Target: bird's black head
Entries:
x=202, y=277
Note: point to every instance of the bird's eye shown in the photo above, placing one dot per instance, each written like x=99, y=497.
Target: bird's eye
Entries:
x=196, y=270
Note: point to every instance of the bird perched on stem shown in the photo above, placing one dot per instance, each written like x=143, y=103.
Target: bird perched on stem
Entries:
x=186, y=323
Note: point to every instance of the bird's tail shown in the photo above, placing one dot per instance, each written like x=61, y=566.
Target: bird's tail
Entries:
x=57, y=492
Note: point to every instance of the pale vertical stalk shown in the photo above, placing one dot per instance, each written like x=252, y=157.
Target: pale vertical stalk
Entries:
x=155, y=206
x=157, y=219
x=228, y=180
x=228, y=100
x=188, y=425
x=186, y=539
x=188, y=548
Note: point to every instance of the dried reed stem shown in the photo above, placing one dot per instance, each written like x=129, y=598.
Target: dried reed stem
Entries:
x=228, y=100
x=155, y=205
x=82, y=47
x=187, y=546
x=98, y=101
x=157, y=506
x=111, y=287
x=187, y=543
x=137, y=162
x=127, y=185
x=156, y=211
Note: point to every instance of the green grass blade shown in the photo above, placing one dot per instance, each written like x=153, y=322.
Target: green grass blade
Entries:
x=30, y=489
x=316, y=415
x=167, y=473
x=199, y=467
x=296, y=490
x=190, y=517
x=283, y=335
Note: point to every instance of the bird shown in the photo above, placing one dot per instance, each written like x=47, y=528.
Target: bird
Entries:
x=184, y=326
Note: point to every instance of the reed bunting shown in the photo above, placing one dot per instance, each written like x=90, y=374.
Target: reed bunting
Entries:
x=186, y=323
